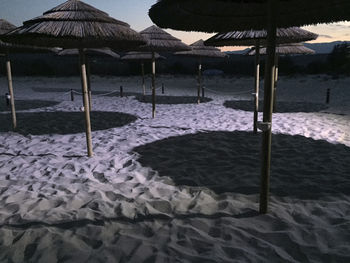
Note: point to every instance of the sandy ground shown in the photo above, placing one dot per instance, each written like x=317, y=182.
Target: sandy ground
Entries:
x=182, y=187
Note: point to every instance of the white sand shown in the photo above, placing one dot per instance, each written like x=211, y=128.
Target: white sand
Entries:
x=182, y=187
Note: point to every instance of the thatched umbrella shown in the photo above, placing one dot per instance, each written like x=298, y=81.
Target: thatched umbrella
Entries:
x=89, y=52
x=75, y=24
x=6, y=49
x=258, y=38
x=199, y=50
x=283, y=49
x=141, y=56
x=158, y=40
x=225, y=15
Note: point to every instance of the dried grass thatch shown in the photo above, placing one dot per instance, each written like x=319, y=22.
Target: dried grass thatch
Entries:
x=200, y=50
x=136, y=55
x=75, y=24
x=5, y=26
x=286, y=49
x=90, y=52
x=229, y=15
x=159, y=40
x=250, y=37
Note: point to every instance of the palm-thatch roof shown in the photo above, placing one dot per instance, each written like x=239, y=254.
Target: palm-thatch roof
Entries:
x=5, y=27
x=90, y=52
x=159, y=40
x=75, y=24
x=249, y=37
x=228, y=15
x=286, y=49
x=200, y=50
x=139, y=55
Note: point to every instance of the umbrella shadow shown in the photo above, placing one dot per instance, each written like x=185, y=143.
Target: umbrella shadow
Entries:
x=40, y=123
x=27, y=104
x=171, y=99
x=230, y=162
x=281, y=106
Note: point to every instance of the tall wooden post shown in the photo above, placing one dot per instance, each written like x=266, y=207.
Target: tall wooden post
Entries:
x=257, y=84
x=153, y=85
x=89, y=82
x=12, y=96
x=143, y=78
x=199, y=81
x=86, y=102
x=275, y=87
x=268, y=104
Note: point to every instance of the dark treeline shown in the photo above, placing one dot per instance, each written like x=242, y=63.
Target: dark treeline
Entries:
x=335, y=63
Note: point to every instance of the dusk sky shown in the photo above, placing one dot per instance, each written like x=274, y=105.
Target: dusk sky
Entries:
x=135, y=12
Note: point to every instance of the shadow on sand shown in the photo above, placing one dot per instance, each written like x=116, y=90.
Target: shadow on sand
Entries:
x=27, y=104
x=281, y=106
x=171, y=99
x=39, y=123
x=230, y=162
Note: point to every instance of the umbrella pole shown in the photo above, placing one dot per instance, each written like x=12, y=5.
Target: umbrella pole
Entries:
x=153, y=85
x=199, y=81
x=86, y=102
x=88, y=82
x=257, y=83
x=268, y=104
x=10, y=87
x=276, y=79
x=143, y=78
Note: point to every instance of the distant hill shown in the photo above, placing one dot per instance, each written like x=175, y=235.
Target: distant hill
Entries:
x=320, y=48
x=324, y=48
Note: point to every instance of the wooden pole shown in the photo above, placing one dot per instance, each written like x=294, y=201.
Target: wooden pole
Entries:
x=276, y=79
x=257, y=84
x=199, y=80
x=143, y=78
x=86, y=102
x=89, y=82
x=153, y=85
x=268, y=104
x=12, y=96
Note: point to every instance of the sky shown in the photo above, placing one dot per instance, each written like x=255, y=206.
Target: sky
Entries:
x=135, y=13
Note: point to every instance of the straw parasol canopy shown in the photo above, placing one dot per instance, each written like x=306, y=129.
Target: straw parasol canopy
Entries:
x=140, y=55
x=229, y=15
x=226, y=15
x=75, y=24
x=199, y=50
x=158, y=40
x=90, y=52
x=286, y=49
x=249, y=37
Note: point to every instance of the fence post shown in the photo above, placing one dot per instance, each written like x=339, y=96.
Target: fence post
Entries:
x=8, y=98
x=121, y=91
x=328, y=95
x=162, y=88
x=71, y=95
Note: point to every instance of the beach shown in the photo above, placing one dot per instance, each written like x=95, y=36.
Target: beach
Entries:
x=182, y=187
